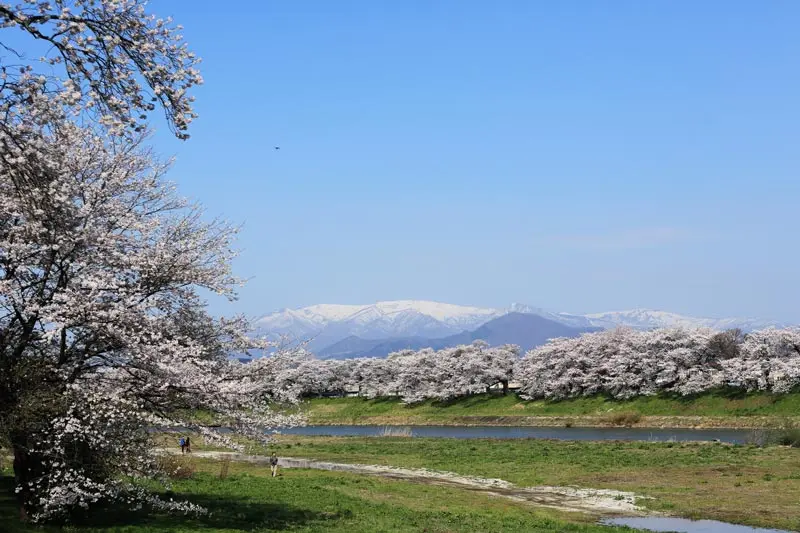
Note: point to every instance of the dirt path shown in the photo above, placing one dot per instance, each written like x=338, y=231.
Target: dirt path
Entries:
x=595, y=501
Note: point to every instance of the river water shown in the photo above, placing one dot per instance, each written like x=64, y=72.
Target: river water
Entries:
x=682, y=525
x=734, y=436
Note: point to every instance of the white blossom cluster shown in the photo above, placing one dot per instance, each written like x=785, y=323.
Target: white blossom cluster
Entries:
x=624, y=363
x=107, y=61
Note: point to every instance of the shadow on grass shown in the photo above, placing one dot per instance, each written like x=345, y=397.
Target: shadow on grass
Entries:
x=383, y=400
x=725, y=393
x=758, y=400
x=474, y=400
x=225, y=512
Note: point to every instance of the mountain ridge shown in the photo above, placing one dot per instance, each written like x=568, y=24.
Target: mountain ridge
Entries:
x=525, y=330
x=328, y=324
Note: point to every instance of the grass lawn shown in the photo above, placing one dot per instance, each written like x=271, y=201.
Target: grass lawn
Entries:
x=721, y=408
x=305, y=500
x=743, y=484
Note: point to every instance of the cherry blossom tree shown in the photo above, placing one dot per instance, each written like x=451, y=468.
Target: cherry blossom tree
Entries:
x=428, y=374
x=375, y=377
x=419, y=375
x=103, y=332
x=489, y=366
x=624, y=363
x=769, y=361
x=301, y=375
x=105, y=60
x=470, y=369
x=621, y=363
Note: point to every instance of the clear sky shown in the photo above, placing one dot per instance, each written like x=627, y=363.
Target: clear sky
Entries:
x=580, y=156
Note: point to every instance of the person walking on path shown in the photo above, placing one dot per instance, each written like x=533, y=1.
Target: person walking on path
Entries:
x=188, y=445
x=273, y=464
x=182, y=443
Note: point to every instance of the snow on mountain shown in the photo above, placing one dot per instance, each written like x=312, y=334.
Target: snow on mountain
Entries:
x=645, y=319
x=382, y=320
x=573, y=321
x=648, y=318
x=327, y=324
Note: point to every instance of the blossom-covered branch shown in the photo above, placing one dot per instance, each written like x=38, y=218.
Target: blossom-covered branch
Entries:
x=117, y=63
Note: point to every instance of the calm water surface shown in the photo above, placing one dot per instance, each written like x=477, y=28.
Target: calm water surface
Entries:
x=737, y=436
x=682, y=525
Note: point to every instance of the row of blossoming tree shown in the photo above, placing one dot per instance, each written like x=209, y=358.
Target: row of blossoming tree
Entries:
x=620, y=363
x=103, y=331
x=624, y=363
x=412, y=375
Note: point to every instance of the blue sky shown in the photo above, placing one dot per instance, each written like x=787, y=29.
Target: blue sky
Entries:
x=579, y=156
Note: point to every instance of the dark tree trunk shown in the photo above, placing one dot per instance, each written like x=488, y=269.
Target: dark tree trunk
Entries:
x=505, y=386
x=22, y=469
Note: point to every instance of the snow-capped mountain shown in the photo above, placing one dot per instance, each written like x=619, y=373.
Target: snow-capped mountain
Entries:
x=327, y=324
x=574, y=321
x=647, y=319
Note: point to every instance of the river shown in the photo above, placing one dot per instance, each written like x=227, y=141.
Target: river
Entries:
x=733, y=436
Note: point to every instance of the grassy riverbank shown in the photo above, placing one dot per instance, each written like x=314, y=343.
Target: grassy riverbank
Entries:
x=759, y=486
x=248, y=500
x=743, y=484
x=718, y=409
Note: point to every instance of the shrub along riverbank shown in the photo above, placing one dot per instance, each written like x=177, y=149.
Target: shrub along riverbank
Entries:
x=723, y=408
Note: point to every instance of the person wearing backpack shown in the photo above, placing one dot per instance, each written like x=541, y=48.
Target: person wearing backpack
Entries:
x=182, y=443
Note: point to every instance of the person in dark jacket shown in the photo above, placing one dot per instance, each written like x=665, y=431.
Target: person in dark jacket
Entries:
x=273, y=464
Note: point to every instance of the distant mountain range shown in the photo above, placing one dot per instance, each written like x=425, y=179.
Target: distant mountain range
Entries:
x=328, y=324
x=525, y=330
x=342, y=331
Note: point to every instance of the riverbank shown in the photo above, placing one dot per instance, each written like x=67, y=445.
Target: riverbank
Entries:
x=411, y=483
x=595, y=502
x=721, y=409
x=743, y=484
x=757, y=486
x=243, y=497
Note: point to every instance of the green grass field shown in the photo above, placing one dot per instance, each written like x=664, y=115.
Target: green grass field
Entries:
x=721, y=408
x=313, y=501
x=743, y=484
